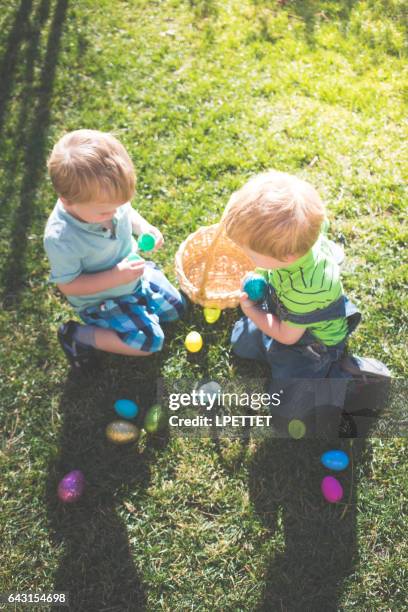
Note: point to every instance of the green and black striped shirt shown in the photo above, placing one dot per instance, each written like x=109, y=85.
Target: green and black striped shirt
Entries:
x=308, y=284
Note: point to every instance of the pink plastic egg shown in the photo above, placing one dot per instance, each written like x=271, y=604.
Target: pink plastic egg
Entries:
x=71, y=487
x=331, y=489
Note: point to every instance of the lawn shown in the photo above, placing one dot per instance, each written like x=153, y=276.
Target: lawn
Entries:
x=204, y=94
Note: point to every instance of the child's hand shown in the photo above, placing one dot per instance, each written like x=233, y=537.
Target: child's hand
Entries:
x=246, y=304
x=129, y=270
x=244, y=301
x=244, y=278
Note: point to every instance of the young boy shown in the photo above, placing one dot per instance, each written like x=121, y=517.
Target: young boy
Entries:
x=88, y=238
x=302, y=328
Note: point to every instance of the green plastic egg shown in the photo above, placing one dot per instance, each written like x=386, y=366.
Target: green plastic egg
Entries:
x=297, y=429
x=155, y=419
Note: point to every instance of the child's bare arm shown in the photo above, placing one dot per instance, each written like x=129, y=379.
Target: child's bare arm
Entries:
x=85, y=284
x=269, y=324
x=139, y=223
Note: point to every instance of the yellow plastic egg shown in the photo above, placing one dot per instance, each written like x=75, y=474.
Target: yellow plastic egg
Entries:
x=211, y=315
x=122, y=432
x=193, y=342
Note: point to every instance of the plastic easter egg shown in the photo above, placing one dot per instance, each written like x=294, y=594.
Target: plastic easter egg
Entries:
x=146, y=242
x=331, y=489
x=126, y=409
x=134, y=257
x=255, y=287
x=335, y=460
x=296, y=429
x=193, y=342
x=209, y=392
x=155, y=419
x=122, y=432
x=71, y=487
x=211, y=315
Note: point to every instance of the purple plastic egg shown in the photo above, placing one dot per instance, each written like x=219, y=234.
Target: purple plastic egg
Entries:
x=71, y=487
x=331, y=489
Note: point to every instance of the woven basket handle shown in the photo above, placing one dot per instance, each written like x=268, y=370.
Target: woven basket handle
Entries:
x=212, y=249
x=210, y=259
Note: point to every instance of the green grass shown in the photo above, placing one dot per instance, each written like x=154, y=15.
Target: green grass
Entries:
x=203, y=93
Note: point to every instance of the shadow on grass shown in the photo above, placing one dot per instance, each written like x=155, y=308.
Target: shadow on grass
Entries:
x=29, y=146
x=320, y=541
x=96, y=565
x=319, y=544
x=310, y=12
x=18, y=32
x=204, y=8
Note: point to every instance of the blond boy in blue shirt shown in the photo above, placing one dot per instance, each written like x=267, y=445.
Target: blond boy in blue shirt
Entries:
x=89, y=238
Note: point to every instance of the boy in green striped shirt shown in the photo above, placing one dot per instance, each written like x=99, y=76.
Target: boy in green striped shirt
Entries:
x=311, y=283
x=300, y=331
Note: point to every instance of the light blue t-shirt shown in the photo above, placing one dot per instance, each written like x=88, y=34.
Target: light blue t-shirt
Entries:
x=75, y=247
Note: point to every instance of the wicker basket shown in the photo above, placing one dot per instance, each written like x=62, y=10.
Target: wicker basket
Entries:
x=210, y=267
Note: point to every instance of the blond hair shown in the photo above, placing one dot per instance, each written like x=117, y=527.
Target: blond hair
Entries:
x=275, y=214
x=90, y=166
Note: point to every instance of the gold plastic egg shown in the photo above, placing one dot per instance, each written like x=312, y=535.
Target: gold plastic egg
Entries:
x=211, y=315
x=193, y=342
x=122, y=432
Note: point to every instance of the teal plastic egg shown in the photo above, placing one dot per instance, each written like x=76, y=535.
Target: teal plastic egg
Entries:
x=146, y=242
x=134, y=257
x=126, y=409
x=255, y=287
x=336, y=460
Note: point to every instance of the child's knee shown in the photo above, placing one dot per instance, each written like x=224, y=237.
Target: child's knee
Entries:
x=174, y=309
x=239, y=339
x=149, y=340
x=157, y=340
x=180, y=306
x=247, y=340
x=183, y=304
x=236, y=334
x=237, y=346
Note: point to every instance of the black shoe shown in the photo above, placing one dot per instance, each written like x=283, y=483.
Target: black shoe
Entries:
x=365, y=369
x=80, y=356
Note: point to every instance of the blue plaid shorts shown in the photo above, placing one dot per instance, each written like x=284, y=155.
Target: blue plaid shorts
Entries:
x=137, y=317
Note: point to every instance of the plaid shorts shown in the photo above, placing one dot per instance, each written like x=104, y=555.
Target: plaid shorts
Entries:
x=137, y=317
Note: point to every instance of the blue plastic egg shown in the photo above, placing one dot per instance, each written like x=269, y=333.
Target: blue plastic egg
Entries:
x=336, y=460
x=255, y=287
x=126, y=408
